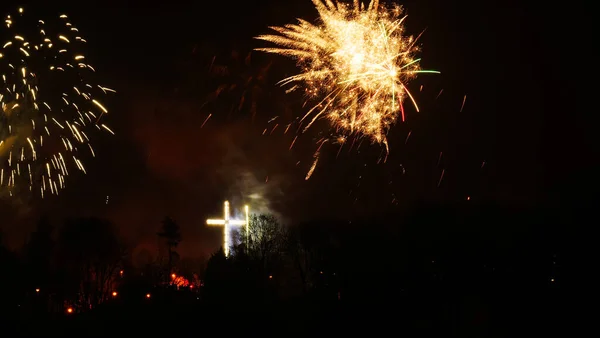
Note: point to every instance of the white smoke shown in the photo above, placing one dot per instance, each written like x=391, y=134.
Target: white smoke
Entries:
x=246, y=181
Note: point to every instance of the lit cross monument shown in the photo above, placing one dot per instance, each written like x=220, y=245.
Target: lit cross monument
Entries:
x=226, y=223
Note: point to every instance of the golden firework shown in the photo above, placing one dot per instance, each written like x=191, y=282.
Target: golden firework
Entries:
x=50, y=108
x=355, y=63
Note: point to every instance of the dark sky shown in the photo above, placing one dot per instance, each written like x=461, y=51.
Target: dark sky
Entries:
x=506, y=59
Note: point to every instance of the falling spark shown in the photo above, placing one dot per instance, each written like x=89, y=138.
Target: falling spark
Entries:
x=441, y=178
x=105, y=127
x=293, y=142
x=48, y=107
x=463, y=103
x=206, y=120
x=355, y=67
x=440, y=93
x=312, y=168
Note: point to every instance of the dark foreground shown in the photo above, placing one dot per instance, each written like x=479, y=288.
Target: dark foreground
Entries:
x=541, y=315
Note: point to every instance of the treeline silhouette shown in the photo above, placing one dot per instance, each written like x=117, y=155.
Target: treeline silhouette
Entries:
x=466, y=269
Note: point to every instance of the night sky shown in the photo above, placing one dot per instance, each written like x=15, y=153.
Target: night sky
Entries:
x=505, y=58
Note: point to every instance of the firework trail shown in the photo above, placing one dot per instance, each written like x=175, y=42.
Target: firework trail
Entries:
x=50, y=110
x=356, y=65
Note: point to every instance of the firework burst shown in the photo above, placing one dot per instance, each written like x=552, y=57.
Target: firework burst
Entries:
x=356, y=65
x=50, y=107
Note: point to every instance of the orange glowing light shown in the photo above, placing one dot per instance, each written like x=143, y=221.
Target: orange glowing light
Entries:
x=147, y=295
x=468, y=198
x=114, y=293
x=180, y=281
x=173, y=275
x=37, y=290
x=270, y=276
x=70, y=310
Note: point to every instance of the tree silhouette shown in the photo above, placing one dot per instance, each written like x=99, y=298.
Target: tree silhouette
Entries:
x=265, y=238
x=256, y=260
x=300, y=255
x=10, y=267
x=172, y=236
x=38, y=254
x=90, y=256
x=217, y=280
x=306, y=248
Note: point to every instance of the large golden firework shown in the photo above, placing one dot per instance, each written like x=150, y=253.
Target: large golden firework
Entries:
x=355, y=65
x=50, y=107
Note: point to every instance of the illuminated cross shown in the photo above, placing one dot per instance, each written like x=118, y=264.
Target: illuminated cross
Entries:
x=226, y=223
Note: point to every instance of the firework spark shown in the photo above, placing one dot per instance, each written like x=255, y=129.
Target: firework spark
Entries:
x=49, y=107
x=356, y=65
